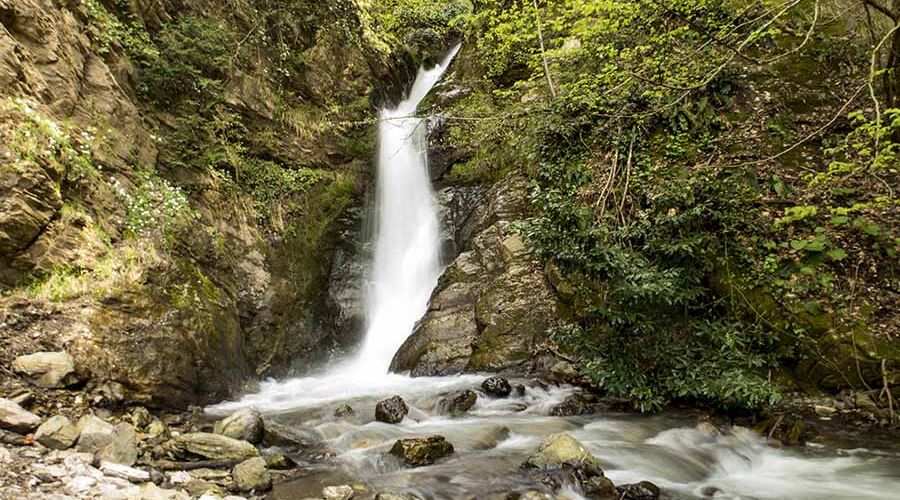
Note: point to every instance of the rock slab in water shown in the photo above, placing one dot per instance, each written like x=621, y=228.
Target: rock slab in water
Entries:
x=343, y=410
x=391, y=410
x=644, y=490
x=252, y=474
x=344, y=492
x=573, y=405
x=497, y=387
x=94, y=434
x=212, y=446
x=418, y=452
x=47, y=369
x=563, y=451
x=17, y=419
x=245, y=424
x=57, y=433
x=459, y=402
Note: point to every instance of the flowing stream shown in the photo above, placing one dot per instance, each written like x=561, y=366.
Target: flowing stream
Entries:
x=492, y=439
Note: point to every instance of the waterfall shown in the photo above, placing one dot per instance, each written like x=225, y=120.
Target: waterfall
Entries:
x=406, y=266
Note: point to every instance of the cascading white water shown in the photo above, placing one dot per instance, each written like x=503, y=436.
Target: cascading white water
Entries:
x=496, y=435
x=407, y=261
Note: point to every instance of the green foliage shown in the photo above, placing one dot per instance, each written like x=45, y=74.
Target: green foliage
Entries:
x=41, y=139
x=418, y=24
x=270, y=183
x=195, y=55
x=108, y=30
x=155, y=208
x=630, y=206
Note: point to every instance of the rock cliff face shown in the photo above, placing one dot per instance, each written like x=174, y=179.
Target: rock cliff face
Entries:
x=156, y=249
x=493, y=305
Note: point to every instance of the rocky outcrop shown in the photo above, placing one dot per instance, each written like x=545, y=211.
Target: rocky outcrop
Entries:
x=492, y=306
x=212, y=446
x=47, y=369
x=245, y=424
x=418, y=452
x=174, y=319
x=391, y=410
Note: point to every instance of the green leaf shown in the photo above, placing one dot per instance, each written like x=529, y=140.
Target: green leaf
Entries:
x=837, y=254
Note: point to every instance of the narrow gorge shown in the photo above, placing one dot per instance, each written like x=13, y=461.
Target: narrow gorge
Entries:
x=429, y=249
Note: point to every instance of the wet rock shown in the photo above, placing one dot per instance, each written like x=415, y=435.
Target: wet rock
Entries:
x=563, y=451
x=458, y=402
x=488, y=438
x=787, y=430
x=212, y=446
x=492, y=307
x=123, y=447
x=251, y=475
x=57, y=433
x=245, y=424
x=391, y=410
x=417, y=452
x=343, y=410
x=519, y=390
x=573, y=405
x=497, y=387
x=279, y=461
x=344, y=492
x=140, y=417
x=94, y=434
x=600, y=488
x=124, y=472
x=644, y=490
x=17, y=419
x=47, y=369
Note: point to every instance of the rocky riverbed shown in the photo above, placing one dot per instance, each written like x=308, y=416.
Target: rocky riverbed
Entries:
x=64, y=437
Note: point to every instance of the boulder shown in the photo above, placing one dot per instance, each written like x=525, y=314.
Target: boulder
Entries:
x=57, y=433
x=47, y=369
x=563, y=451
x=17, y=419
x=417, y=452
x=123, y=447
x=94, y=434
x=395, y=496
x=644, y=490
x=252, y=474
x=344, y=492
x=212, y=446
x=497, y=387
x=343, y=410
x=391, y=410
x=245, y=424
x=458, y=402
x=573, y=405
